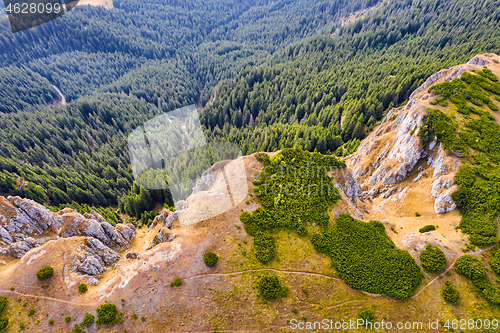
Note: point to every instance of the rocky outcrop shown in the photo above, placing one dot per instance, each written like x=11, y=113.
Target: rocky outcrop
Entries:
x=93, y=258
x=389, y=154
x=20, y=218
x=166, y=217
x=133, y=255
x=163, y=236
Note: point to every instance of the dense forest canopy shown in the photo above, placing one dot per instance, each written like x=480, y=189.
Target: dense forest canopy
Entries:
x=268, y=74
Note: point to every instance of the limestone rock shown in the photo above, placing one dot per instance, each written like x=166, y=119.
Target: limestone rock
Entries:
x=94, y=257
x=444, y=203
x=5, y=238
x=19, y=249
x=163, y=236
x=133, y=255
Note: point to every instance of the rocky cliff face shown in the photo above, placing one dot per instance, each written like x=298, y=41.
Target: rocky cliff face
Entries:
x=24, y=225
x=387, y=157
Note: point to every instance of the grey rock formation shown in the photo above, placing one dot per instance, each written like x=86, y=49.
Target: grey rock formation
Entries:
x=444, y=203
x=5, y=238
x=163, y=236
x=132, y=255
x=94, y=257
x=19, y=249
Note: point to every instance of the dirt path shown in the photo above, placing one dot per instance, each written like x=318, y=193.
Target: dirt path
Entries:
x=10, y=292
x=63, y=99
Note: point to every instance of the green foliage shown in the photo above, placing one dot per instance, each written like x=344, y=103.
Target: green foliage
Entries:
x=478, y=193
x=494, y=262
x=67, y=319
x=366, y=259
x=450, y=293
x=473, y=269
x=177, y=282
x=427, y=228
x=210, y=259
x=432, y=259
x=77, y=329
x=264, y=247
x=82, y=288
x=88, y=320
x=3, y=303
x=108, y=213
x=51, y=321
x=368, y=315
x=31, y=312
x=270, y=287
x=4, y=322
x=470, y=266
x=107, y=314
x=45, y=273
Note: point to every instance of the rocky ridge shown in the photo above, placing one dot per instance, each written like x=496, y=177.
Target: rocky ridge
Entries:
x=25, y=224
x=385, y=159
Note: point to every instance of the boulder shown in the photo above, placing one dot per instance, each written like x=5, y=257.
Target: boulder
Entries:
x=19, y=249
x=93, y=258
x=163, y=236
x=132, y=255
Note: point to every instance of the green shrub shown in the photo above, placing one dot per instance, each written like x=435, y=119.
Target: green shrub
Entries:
x=210, y=259
x=432, y=259
x=366, y=259
x=470, y=266
x=77, y=329
x=88, y=320
x=106, y=314
x=177, y=282
x=494, y=262
x=270, y=287
x=417, y=214
x=67, y=319
x=51, y=321
x=45, y=272
x=143, y=318
x=4, y=322
x=31, y=312
x=82, y=288
x=264, y=247
x=368, y=315
x=450, y=294
x=427, y=228
x=3, y=303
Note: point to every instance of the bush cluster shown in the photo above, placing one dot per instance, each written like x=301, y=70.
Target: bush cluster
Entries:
x=45, y=272
x=4, y=321
x=427, y=228
x=477, y=196
x=368, y=315
x=88, y=320
x=294, y=189
x=270, y=287
x=432, y=259
x=450, y=293
x=210, y=259
x=495, y=262
x=366, y=259
x=107, y=314
x=473, y=269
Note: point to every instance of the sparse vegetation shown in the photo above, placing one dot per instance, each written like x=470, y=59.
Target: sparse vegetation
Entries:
x=107, y=314
x=450, y=293
x=51, y=321
x=3, y=303
x=210, y=259
x=432, y=259
x=45, y=273
x=31, y=312
x=67, y=319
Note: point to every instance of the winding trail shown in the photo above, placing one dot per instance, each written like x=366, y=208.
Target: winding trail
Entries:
x=63, y=98
x=3, y=291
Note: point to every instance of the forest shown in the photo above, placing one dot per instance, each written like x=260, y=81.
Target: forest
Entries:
x=266, y=75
